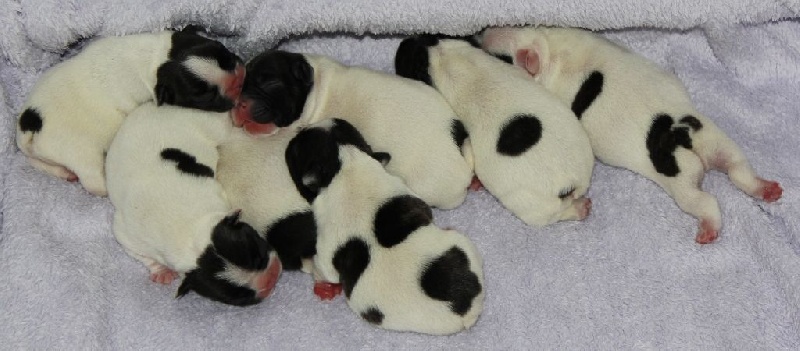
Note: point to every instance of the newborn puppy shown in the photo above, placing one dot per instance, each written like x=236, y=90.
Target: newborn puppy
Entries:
x=528, y=148
x=253, y=173
x=637, y=115
x=397, y=269
x=172, y=215
x=76, y=107
x=404, y=118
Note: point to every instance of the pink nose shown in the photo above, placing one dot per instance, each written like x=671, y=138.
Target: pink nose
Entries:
x=266, y=281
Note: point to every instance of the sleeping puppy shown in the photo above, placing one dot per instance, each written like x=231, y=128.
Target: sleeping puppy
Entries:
x=397, y=269
x=404, y=118
x=529, y=150
x=172, y=215
x=76, y=107
x=253, y=173
x=637, y=115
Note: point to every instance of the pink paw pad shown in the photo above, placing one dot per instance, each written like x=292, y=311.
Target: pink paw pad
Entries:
x=475, y=184
x=326, y=290
x=770, y=191
x=164, y=276
x=707, y=233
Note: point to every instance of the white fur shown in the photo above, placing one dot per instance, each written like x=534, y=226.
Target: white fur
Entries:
x=345, y=209
x=400, y=116
x=618, y=121
x=486, y=93
x=165, y=217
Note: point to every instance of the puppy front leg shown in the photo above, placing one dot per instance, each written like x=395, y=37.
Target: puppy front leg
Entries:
x=53, y=169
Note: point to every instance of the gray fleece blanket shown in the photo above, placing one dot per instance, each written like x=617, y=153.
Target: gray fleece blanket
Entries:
x=628, y=277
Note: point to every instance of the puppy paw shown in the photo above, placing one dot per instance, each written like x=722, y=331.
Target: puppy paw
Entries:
x=707, y=233
x=769, y=191
x=326, y=290
x=475, y=184
x=163, y=275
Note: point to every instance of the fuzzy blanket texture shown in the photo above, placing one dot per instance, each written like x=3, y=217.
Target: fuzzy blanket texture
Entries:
x=628, y=277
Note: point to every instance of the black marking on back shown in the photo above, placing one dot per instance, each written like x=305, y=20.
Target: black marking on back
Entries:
x=458, y=132
x=186, y=163
x=412, y=59
x=398, y=217
x=350, y=260
x=449, y=278
x=692, y=122
x=519, y=134
x=590, y=89
x=373, y=315
x=662, y=140
x=30, y=121
x=505, y=58
x=294, y=238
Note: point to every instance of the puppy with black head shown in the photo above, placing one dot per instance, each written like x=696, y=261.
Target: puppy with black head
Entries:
x=529, y=149
x=172, y=214
x=377, y=239
x=638, y=116
x=407, y=119
x=76, y=107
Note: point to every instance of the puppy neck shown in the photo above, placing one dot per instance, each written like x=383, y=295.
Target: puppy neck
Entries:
x=325, y=89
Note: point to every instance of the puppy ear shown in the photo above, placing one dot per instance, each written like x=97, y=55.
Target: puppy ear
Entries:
x=186, y=285
x=164, y=94
x=238, y=243
x=382, y=157
x=303, y=71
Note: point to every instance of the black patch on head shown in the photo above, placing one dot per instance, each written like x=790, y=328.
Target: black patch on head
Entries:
x=458, y=132
x=240, y=244
x=692, y=122
x=204, y=281
x=312, y=157
x=519, y=134
x=186, y=163
x=448, y=278
x=505, y=58
x=662, y=140
x=294, y=238
x=373, y=315
x=398, y=217
x=588, y=92
x=412, y=59
x=350, y=260
x=277, y=85
x=30, y=121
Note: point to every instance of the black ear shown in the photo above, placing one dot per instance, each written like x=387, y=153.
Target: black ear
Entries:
x=164, y=95
x=312, y=157
x=382, y=157
x=238, y=243
x=186, y=286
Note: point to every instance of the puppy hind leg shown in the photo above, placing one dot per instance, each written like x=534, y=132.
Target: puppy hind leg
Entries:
x=53, y=169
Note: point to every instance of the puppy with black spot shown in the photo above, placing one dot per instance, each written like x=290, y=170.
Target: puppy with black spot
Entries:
x=76, y=106
x=172, y=214
x=253, y=173
x=397, y=269
x=407, y=119
x=638, y=116
x=529, y=150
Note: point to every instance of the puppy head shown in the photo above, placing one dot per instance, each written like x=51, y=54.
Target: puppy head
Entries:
x=238, y=268
x=312, y=156
x=200, y=73
x=275, y=90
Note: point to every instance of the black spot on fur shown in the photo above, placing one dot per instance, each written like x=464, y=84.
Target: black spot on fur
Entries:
x=277, y=85
x=590, y=89
x=458, y=132
x=240, y=244
x=692, y=122
x=449, y=278
x=186, y=163
x=373, y=315
x=412, y=59
x=350, y=260
x=505, y=58
x=398, y=217
x=294, y=238
x=30, y=121
x=204, y=280
x=312, y=157
x=662, y=140
x=519, y=134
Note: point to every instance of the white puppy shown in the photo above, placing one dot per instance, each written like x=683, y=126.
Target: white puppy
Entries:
x=397, y=269
x=76, y=107
x=252, y=170
x=637, y=115
x=399, y=116
x=528, y=148
x=172, y=215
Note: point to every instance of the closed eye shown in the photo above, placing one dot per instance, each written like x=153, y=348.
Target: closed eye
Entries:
x=566, y=192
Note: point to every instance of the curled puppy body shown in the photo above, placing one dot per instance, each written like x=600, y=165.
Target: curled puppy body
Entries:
x=407, y=119
x=397, y=269
x=173, y=216
x=253, y=173
x=76, y=107
x=638, y=116
x=529, y=150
